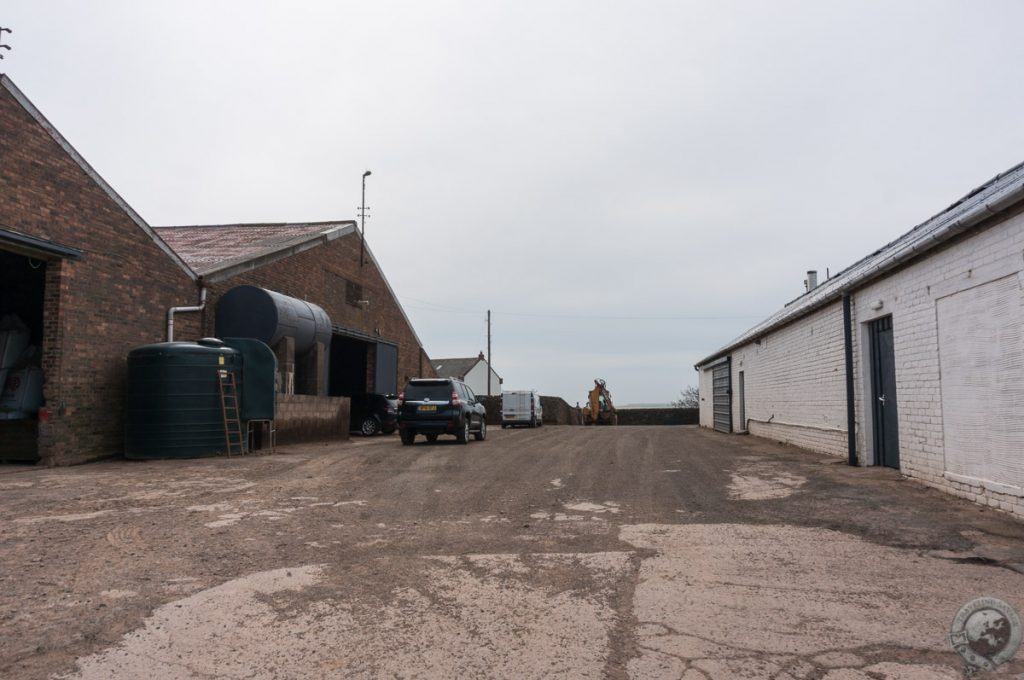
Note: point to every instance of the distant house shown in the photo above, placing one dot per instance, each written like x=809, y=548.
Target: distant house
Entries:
x=472, y=371
x=911, y=358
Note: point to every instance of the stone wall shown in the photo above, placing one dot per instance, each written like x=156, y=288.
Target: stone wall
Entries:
x=658, y=416
x=556, y=410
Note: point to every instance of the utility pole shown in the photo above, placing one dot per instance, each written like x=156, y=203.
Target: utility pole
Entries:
x=488, y=352
x=362, y=221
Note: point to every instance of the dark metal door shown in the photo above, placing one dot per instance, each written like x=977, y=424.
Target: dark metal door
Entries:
x=721, y=391
x=743, y=402
x=885, y=420
x=386, y=378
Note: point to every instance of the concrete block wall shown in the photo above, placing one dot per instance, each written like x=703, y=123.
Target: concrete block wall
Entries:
x=303, y=418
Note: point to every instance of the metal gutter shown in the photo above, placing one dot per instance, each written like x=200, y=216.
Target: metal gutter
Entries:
x=995, y=196
x=31, y=246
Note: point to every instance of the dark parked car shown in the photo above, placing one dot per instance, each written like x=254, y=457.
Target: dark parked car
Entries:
x=373, y=413
x=436, y=406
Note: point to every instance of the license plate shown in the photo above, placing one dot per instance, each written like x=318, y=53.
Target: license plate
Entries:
x=425, y=407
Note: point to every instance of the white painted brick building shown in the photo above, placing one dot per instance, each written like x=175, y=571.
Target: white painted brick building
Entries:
x=937, y=317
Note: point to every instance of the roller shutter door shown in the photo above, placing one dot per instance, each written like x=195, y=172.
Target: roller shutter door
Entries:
x=721, y=391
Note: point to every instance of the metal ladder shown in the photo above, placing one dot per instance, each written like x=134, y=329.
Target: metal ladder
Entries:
x=234, y=440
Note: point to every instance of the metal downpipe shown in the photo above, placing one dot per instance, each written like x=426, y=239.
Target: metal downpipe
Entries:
x=851, y=430
x=173, y=310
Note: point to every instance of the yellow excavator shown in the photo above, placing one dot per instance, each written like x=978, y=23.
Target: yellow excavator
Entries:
x=599, y=409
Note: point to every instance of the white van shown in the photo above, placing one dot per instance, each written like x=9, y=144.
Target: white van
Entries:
x=521, y=408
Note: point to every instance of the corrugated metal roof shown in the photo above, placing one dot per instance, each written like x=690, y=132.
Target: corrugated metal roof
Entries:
x=997, y=194
x=210, y=248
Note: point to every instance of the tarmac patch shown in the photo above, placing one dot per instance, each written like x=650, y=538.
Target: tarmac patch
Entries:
x=763, y=481
x=733, y=600
x=496, y=615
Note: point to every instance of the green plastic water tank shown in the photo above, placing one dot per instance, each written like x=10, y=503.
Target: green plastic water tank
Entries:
x=173, y=399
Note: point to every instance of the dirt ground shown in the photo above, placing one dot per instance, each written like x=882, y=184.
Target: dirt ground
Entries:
x=639, y=552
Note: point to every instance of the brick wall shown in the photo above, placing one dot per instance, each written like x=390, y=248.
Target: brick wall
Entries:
x=302, y=418
x=795, y=378
x=318, y=275
x=96, y=309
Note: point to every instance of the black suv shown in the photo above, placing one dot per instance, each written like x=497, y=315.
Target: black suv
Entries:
x=373, y=413
x=435, y=406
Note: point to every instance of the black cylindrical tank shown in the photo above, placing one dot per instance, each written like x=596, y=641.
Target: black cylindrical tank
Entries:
x=173, y=399
x=253, y=312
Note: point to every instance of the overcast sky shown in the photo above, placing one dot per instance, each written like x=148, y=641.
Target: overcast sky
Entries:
x=626, y=185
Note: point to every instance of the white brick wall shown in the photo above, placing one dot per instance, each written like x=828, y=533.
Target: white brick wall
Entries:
x=707, y=416
x=794, y=383
x=795, y=378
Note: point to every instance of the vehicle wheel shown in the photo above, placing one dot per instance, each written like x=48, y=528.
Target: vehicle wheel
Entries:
x=482, y=434
x=431, y=438
x=407, y=437
x=370, y=426
x=462, y=436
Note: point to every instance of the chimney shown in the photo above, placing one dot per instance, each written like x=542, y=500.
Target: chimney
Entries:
x=812, y=280
x=481, y=357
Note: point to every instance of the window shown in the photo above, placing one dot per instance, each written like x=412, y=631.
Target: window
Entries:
x=353, y=292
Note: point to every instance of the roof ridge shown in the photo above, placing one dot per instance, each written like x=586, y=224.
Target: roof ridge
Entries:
x=257, y=224
x=985, y=200
x=97, y=179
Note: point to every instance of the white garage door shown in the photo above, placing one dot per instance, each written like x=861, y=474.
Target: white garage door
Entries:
x=981, y=355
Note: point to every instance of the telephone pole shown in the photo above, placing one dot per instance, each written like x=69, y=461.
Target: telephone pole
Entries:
x=488, y=352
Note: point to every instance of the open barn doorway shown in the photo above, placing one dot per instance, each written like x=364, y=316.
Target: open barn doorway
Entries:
x=348, y=370
x=22, y=289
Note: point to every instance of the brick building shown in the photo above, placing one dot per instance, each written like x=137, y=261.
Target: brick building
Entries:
x=373, y=346
x=88, y=277
x=90, y=280
x=911, y=358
